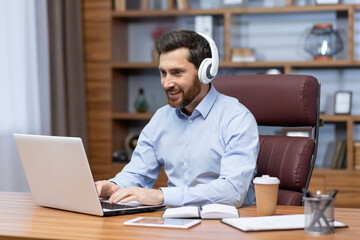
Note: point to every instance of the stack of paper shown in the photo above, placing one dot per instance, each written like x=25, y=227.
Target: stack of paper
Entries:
x=281, y=222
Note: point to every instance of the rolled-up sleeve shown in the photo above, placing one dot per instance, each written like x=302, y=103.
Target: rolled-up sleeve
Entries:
x=143, y=169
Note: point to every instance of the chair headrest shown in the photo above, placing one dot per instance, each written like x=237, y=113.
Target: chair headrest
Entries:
x=275, y=100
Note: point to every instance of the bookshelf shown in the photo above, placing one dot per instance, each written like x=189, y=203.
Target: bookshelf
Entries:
x=346, y=180
x=349, y=121
x=110, y=76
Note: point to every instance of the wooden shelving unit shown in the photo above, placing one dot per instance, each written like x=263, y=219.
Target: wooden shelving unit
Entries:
x=350, y=121
x=107, y=72
x=347, y=181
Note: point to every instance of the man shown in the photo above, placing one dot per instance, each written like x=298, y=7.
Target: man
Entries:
x=207, y=142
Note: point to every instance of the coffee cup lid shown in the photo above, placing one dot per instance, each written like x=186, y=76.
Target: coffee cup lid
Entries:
x=266, y=179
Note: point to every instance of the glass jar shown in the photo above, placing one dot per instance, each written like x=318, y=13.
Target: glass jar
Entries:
x=323, y=42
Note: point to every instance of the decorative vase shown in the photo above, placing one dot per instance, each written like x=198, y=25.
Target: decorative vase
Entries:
x=323, y=42
x=141, y=104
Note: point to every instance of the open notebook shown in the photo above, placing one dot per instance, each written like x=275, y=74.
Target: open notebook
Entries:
x=59, y=176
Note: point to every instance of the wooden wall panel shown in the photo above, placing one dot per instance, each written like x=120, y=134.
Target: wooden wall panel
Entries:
x=97, y=55
x=99, y=130
x=98, y=49
x=101, y=171
x=96, y=10
x=98, y=111
x=98, y=71
x=97, y=30
x=98, y=91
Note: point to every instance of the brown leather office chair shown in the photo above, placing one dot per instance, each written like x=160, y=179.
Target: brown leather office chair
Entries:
x=286, y=101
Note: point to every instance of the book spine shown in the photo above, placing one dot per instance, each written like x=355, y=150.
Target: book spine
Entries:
x=182, y=4
x=119, y=5
x=336, y=155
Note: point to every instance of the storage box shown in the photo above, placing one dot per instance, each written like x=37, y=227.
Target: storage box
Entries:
x=243, y=55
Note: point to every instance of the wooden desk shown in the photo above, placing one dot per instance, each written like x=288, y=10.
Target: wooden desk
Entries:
x=20, y=218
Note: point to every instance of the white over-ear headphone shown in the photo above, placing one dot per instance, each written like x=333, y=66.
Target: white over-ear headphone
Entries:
x=209, y=66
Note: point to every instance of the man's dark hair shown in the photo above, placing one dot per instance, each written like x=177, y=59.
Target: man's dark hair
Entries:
x=198, y=46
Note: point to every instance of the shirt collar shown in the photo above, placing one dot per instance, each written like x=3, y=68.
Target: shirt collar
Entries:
x=208, y=101
x=204, y=106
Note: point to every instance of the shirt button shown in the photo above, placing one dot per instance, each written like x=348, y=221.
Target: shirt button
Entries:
x=190, y=121
x=187, y=144
x=186, y=166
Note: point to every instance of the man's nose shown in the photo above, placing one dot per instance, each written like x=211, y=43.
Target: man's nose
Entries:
x=168, y=82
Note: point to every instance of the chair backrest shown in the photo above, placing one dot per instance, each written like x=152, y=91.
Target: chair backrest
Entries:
x=285, y=101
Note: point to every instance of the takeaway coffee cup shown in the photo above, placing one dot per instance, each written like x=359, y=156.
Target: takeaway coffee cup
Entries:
x=266, y=192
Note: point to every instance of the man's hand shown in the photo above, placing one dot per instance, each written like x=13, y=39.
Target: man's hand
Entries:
x=105, y=188
x=142, y=195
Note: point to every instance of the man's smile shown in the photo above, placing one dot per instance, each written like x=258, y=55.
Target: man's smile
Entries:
x=174, y=94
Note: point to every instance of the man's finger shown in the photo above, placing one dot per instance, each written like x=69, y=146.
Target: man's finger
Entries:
x=118, y=195
x=128, y=199
x=98, y=188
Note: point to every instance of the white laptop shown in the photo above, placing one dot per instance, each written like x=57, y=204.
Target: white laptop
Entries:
x=59, y=176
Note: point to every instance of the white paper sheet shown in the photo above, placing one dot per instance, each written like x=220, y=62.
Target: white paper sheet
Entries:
x=280, y=222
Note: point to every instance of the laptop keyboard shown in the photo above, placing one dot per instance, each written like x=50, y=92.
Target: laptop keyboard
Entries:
x=107, y=205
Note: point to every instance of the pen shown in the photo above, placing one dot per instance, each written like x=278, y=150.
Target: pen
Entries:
x=308, y=194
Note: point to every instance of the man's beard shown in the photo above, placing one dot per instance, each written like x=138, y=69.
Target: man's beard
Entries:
x=187, y=97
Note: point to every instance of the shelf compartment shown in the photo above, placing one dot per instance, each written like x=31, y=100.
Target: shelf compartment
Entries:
x=236, y=10
x=349, y=121
x=265, y=64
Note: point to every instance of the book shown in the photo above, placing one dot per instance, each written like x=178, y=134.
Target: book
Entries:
x=144, y=5
x=339, y=154
x=119, y=5
x=357, y=155
x=336, y=153
x=277, y=222
x=342, y=156
x=329, y=153
x=182, y=4
x=209, y=211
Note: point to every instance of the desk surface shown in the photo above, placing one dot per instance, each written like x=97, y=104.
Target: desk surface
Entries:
x=21, y=218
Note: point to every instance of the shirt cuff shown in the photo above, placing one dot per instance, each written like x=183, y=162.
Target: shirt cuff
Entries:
x=116, y=182
x=173, y=196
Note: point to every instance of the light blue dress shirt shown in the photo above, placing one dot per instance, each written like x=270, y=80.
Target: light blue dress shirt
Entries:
x=209, y=157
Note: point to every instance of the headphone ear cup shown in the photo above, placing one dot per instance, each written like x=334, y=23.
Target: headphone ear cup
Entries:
x=204, y=71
